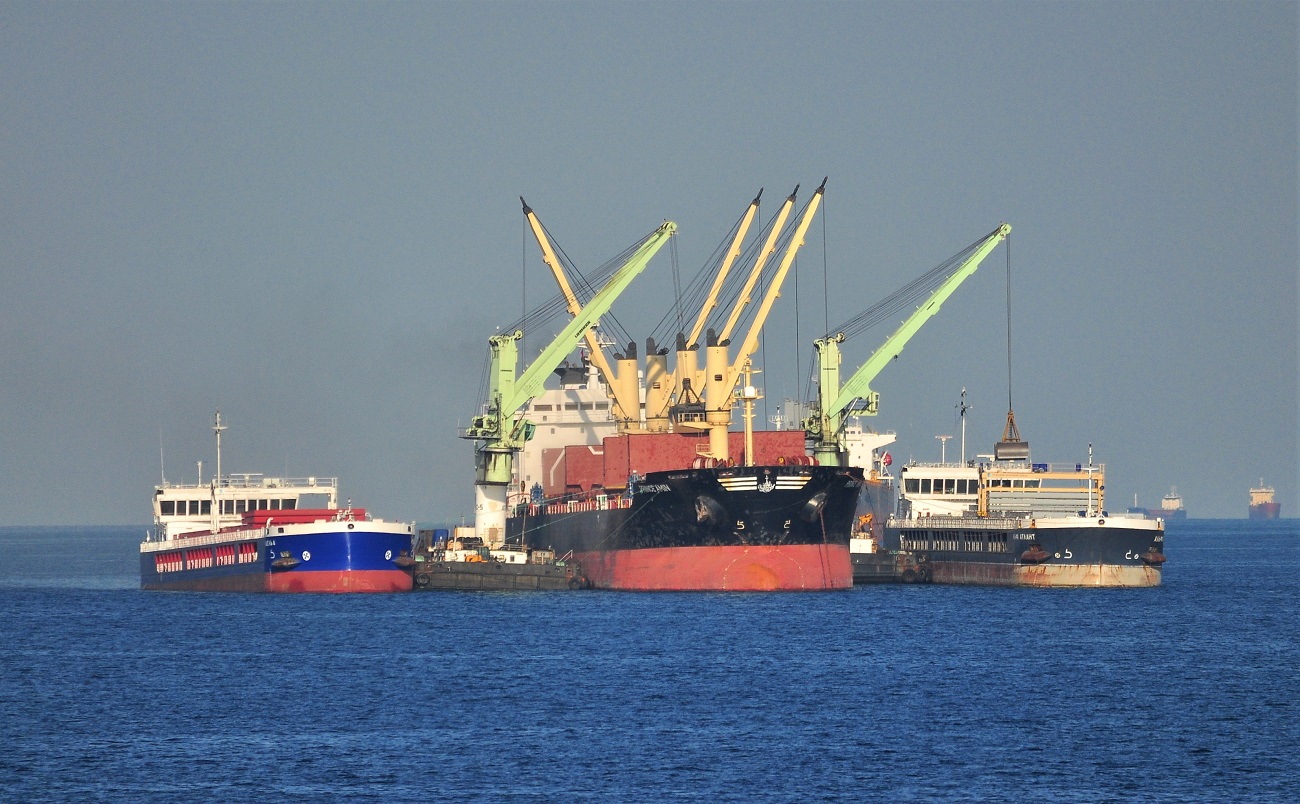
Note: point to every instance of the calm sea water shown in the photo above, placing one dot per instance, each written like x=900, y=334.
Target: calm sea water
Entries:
x=1186, y=692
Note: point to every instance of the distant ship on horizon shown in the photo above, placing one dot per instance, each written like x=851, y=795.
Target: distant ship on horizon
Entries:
x=1171, y=507
x=1262, y=505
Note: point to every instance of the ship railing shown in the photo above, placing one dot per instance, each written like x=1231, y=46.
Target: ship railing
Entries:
x=960, y=522
x=602, y=503
x=1013, y=466
x=251, y=480
x=236, y=535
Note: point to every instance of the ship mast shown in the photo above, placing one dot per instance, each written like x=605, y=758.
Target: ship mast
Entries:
x=961, y=411
x=749, y=395
x=214, y=506
x=217, y=428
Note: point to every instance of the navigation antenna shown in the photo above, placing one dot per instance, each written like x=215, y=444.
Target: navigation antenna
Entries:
x=1010, y=448
x=961, y=412
x=217, y=428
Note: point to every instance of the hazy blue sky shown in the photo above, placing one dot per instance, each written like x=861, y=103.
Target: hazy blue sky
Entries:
x=307, y=216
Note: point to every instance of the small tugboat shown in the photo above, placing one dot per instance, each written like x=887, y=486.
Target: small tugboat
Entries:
x=464, y=563
x=251, y=533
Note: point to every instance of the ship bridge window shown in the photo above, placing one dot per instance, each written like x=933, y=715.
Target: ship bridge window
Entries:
x=588, y=406
x=227, y=506
x=602, y=406
x=925, y=485
x=240, y=506
x=570, y=405
x=541, y=407
x=289, y=505
x=911, y=485
x=168, y=507
x=949, y=486
x=205, y=507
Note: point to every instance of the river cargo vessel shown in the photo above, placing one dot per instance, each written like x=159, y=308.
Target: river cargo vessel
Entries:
x=1019, y=523
x=251, y=533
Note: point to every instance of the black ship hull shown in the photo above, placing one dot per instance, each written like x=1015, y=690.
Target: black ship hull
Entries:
x=1096, y=552
x=783, y=527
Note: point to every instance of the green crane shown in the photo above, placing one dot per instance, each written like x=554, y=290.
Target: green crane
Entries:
x=500, y=432
x=827, y=417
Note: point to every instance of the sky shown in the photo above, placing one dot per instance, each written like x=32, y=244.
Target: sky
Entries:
x=306, y=216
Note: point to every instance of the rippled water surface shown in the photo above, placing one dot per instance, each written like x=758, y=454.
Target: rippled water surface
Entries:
x=1184, y=692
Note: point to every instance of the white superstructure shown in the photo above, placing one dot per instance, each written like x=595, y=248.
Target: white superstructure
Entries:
x=222, y=501
x=579, y=411
x=1010, y=488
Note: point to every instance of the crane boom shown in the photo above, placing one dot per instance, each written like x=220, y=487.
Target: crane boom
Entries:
x=626, y=405
x=722, y=375
x=499, y=431
x=534, y=377
x=833, y=399
x=732, y=254
x=768, y=248
x=774, y=289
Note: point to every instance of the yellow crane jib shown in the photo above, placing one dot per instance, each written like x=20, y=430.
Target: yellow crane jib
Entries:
x=721, y=373
x=622, y=383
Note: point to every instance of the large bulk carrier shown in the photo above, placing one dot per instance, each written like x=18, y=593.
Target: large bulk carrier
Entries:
x=251, y=533
x=635, y=473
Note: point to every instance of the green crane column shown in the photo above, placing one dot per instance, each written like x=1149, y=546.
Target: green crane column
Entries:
x=826, y=426
x=493, y=462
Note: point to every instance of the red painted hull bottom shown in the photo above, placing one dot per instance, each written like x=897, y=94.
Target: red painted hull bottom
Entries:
x=333, y=581
x=740, y=568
